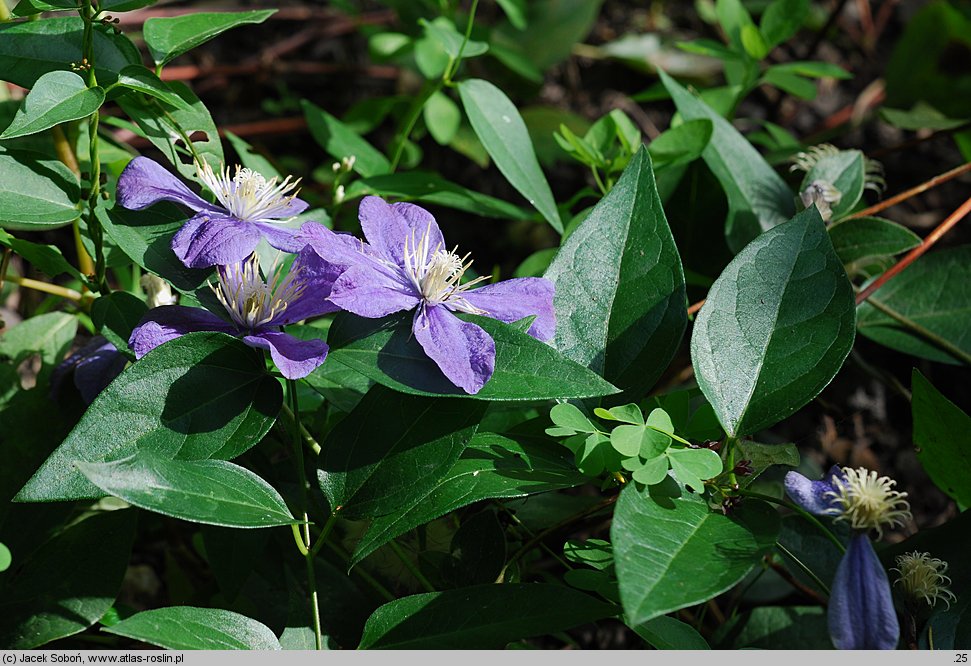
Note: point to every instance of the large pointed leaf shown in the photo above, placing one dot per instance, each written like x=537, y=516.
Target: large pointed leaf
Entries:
x=934, y=292
x=672, y=552
x=758, y=198
x=491, y=467
x=341, y=141
x=776, y=327
x=620, y=296
x=501, y=129
x=204, y=395
x=56, y=97
x=36, y=192
x=214, y=492
x=170, y=37
x=386, y=351
x=866, y=239
x=392, y=449
x=502, y=613
x=67, y=584
x=942, y=437
x=189, y=628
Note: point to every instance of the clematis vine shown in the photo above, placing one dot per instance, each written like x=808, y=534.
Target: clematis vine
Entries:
x=861, y=614
x=405, y=266
x=249, y=207
x=256, y=308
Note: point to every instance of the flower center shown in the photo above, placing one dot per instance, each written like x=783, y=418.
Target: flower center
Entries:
x=247, y=194
x=868, y=502
x=250, y=301
x=922, y=577
x=437, y=273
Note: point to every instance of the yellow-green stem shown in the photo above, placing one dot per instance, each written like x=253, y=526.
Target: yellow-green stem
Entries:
x=46, y=287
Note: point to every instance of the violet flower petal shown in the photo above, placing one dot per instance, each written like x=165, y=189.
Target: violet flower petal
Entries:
x=372, y=293
x=337, y=248
x=317, y=277
x=861, y=614
x=511, y=300
x=145, y=182
x=387, y=226
x=211, y=239
x=463, y=351
x=98, y=369
x=294, y=358
x=172, y=321
x=281, y=237
x=812, y=495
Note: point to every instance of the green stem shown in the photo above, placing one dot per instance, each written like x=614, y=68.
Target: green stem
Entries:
x=410, y=566
x=928, y=335
x=88, y=14
x=410, y=121
x=307, y=437
x=324, y=533
x=453, y=65
x=46, y=287
x=308, y=555
x=802, y=512
x=730, y=443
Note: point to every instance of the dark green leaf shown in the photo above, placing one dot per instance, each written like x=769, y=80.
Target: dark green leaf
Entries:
x=143, y=80
x=865, y=239
x=214, y=492
x=48, y=334
x=477, y=552
x=941, y=432
x=921, y=116
x=68, y=583
x=620, y=295
x=776, y=327
x=56, y=97
x=393, y=449
x=189, y=628
x=116, y=315
x=31, y=7
x=918, y=294
x=503, y=613
x=491, y=467
x=764, y=456
x=793, y=84
x=553, y=27
x=515, y=11
x=758, y=199
x=667, y=633
x=782, y=19
x=681, y=144
x=694, y=553
x=784, y=628
x=501, y=129
x=428, y=187
x=36, y=192
x=526, y=369
x=123, y=5
x=341, y=141
x=45, y=258
x=204, y=395
x=170, y=37
x=30, y=49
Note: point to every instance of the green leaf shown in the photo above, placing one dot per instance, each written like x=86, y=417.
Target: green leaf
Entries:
x=667, y=633
x=143, y=80
x=146, y=237
x=793, y=84
x=865, y=239
x=784, y=628
x=214, y=492
x=56, y=97
x=620, y=295
x=503, y=613
x=392, y=449
x=26, y=51
x=526, y=369
x=813, y=69
x=782, y=19
x=753, y=42
x=921, y=116
x=943, y=312
x=49, y=335
x=693, y=466
x=168, y=129
x=443, y=31
x=570, y=417
x=36, y=192
x=624, y=413
x=682, y=144
x=501, y=129
x=45, y=258
x=341, y=141
x=554, y=26
x=116, y=315
x=204, y=395
x=68, y=583
x=431, y=188
x=694, y=553
x=764, y=456
x=844, y=170
x=31, y=7
x=190, y=628
x=123, y=5
x=758, y=198
x=6, y=559
x=941, y=431
x=491, y=467
x=168, y=38
x=515, y=11
x=776, y=327
x=442, y=118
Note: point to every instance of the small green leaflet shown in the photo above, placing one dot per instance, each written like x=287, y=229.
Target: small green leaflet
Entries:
x=57, y=97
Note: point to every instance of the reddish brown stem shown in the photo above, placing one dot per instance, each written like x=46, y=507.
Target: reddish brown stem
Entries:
x=912, y=256
x=694, y=307
x=914, y=191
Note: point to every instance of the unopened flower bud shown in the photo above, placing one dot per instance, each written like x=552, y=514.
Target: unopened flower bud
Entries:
x=824, y=195
x=158, y=292
x=339, y=194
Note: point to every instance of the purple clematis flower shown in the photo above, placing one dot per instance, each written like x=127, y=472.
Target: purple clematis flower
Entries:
x=257, y=309
x=250, y=207
x=94, y=366
x=405, y=266
x=861, y=615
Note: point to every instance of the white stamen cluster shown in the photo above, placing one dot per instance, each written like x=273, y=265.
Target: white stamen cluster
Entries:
x=868, y=502
x=247, y=194
x=922, y=577
x=805, y=161
x=251, y=301
x=437, y=273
